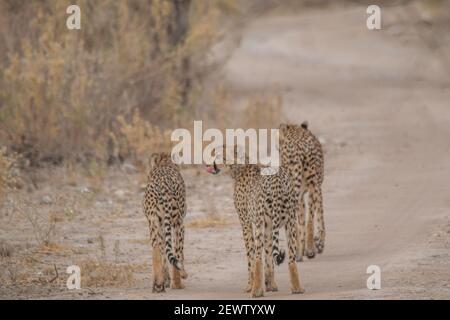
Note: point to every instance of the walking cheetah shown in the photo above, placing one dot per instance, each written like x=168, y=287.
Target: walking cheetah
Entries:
x=301, y=152
x=264, y=203
x=165, y=207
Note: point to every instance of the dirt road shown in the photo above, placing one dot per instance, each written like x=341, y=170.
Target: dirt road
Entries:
x=382, y=107
x=380, y=102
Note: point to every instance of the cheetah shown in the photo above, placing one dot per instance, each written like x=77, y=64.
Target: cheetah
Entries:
x=301, y=152
x=165, y=208
x=264, y=204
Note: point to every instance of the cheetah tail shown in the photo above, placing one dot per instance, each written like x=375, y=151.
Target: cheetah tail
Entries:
x=168, y=240
x=278, y=254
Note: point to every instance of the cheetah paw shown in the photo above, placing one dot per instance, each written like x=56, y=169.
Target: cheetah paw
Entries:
x=177, y=286
x=257, y=293
x=158, y=288
x=299, y=290
x=183, y=274
x=167, y=282
x=310, y=253
x=320, y=245
x=272, y=287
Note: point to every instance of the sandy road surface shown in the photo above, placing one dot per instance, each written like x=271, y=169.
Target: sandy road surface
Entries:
x=381, y=107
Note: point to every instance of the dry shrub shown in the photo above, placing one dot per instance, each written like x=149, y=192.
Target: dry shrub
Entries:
x=6, y=250
x=219, y=113
x=4, y=175
x=18, y=271
x=61, y=91
x=51, y=247
x=43, y=229
x=263, y=111
x=42, y=222
x=10, y=173
x=102, y=274
x=139, y=137
x=259, y=111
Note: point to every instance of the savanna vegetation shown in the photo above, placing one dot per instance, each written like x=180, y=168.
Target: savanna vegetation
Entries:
x=115, y=89
x=136, y=68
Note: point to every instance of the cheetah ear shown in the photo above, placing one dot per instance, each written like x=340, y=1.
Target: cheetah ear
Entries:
x=154, y=159
x=219, y=153
x=305, y=125
x=281, y=131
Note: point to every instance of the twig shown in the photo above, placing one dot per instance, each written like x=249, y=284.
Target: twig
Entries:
x=56, y=276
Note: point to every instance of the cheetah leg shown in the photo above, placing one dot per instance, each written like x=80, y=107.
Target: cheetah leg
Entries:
x=166, y=271
x=183, y=273
x=301, y=229
x=320, y=239
x=157, y=263
x=178, y=274
x=248, y=239
x=310, y=246
x=291, y=235
x=269, y=267
x=257, y=288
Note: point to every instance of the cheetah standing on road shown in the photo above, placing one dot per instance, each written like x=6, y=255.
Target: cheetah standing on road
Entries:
x=301, y=152
x=165, y=207
x=264, y=203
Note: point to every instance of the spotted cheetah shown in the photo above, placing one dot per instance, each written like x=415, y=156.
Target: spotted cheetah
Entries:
x=165, y=207
x=264, y=204
x=301, y=152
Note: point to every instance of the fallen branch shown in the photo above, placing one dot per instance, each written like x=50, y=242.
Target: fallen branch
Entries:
x=56, y=276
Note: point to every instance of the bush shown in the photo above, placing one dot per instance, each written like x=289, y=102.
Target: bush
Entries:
x=68, y=94
x=10, y=176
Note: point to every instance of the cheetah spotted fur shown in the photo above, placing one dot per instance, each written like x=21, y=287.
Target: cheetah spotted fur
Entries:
x=165, y=208
x=301, y=152
x=264, y=204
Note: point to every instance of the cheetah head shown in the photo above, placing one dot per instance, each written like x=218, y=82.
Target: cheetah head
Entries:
x=286, y=128
x=160, y=159
x=220, y=159
x=213, y=169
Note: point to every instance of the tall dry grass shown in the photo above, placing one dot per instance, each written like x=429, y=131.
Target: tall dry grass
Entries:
x=74, y=94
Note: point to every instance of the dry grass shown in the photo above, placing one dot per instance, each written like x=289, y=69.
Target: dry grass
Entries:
x=145, y=241
x=43, y=229
x=25, y=271
x=101, y=274
x=208, y=222
x=6, y=250
x=139, y=136
x=73, y=95
x=10, y=173
x=211, y=219
x=41, y=219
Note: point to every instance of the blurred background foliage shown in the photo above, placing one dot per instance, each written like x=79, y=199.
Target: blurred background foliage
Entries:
x=74, y=94
x=136, y=70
